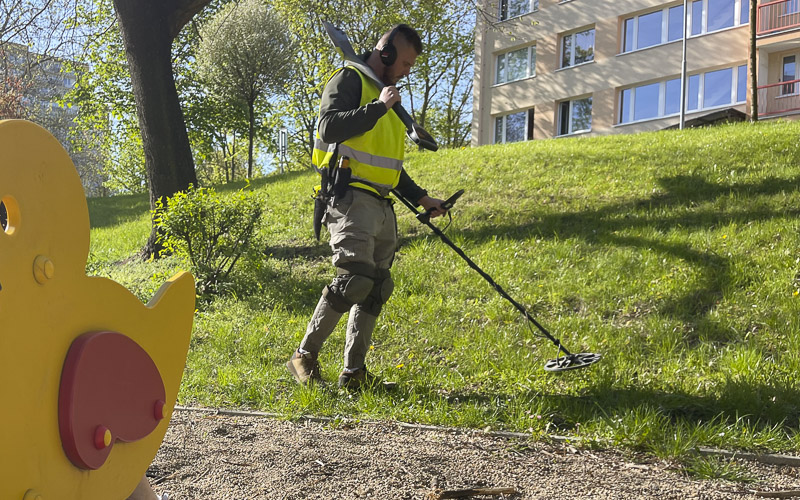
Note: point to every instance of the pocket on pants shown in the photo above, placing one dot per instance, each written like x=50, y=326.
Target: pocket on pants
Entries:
x=339, y=209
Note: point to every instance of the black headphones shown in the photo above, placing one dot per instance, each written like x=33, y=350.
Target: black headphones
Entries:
x=388, y=52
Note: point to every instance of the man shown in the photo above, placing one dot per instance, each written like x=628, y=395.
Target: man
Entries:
x=362, y=141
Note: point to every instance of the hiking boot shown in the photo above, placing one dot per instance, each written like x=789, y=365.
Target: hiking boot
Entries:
x=305, y=368
x=362, y=379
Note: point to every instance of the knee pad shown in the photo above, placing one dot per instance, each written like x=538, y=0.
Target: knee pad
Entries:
x=346, y=290
x=386, y=288
x=379, y=295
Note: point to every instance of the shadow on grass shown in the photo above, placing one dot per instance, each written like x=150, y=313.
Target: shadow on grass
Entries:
x=766, y=404
x=752, y=405
x=601, y=227
x=107, y=212
x=113, y=210
x=314, y=251
x=289, y=289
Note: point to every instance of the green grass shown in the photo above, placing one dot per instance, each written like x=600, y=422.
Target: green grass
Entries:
x=717, y=468
x=674, y=254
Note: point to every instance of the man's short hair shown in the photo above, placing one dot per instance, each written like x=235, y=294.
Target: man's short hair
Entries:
x=410, y=35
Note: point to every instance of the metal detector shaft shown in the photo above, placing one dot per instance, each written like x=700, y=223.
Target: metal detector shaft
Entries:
x=425, y=219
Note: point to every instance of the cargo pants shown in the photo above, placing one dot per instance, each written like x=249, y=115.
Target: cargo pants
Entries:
x=363, y=230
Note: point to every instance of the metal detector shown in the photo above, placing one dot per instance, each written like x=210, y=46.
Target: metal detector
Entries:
x=565, y=360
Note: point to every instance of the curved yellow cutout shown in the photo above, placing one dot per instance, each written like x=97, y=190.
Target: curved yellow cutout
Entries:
x=47, y=301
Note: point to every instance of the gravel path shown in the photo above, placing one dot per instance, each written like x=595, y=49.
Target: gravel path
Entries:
x=215, y=457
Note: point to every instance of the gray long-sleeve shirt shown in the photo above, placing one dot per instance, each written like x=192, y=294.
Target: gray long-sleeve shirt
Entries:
x=343, y=117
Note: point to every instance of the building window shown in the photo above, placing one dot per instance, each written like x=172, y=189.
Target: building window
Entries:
x=577, y=48
x=516, y=65
x=741, y=84
x=713, y=15
x=788, y=74
x=649, y=101
x=675, y=23
x=696, y=21
x=672, y=97
x=717, y=88
x=575, y=116
x=653, y=28
x=708, y=90
x=514, y=127
x=515, y=8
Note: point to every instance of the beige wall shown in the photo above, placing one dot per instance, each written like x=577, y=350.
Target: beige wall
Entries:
x=771, y=51
x=601, y=78
x=772, y=59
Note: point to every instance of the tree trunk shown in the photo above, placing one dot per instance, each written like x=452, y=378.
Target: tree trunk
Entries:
x=233, y=158
x=251, y=115
x=148, y=28
x=224, y=143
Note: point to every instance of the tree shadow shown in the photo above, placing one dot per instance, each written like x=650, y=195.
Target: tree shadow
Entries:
x=114, y=210
x=755, y=405
x=313, y=251
x=604, y=227
x=765, y=403
x=291, y=290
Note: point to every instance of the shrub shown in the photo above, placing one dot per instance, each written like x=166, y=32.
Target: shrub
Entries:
x=210, y=231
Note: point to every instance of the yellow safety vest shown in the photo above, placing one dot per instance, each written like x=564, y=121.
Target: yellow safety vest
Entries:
x=376, y=156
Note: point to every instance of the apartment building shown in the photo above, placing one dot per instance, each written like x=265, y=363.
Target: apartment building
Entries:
x=42, y=81
x=553, y=68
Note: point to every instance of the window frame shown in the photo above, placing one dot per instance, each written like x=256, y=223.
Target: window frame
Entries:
x=570, y=113
x=502, y=5
x=665, y=29
x=737, y=17
x=790, y=89
x=503, y=121
x=573, y=34
x=699, y=95
x=531, y=64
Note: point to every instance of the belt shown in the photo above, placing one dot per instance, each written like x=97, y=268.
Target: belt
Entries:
x=373, y=194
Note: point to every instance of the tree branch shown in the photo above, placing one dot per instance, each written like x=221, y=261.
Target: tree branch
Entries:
x=184, y=11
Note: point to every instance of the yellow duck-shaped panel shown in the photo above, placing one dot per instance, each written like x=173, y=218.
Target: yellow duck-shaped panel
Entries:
x=88, y=374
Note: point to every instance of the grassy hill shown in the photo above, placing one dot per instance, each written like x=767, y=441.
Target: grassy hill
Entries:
x=674, y=254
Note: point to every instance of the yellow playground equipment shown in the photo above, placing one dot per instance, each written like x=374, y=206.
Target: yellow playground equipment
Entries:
x=89, y=375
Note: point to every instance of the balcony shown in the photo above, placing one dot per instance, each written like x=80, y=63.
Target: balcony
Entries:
x=779, y=98
x=775, y=17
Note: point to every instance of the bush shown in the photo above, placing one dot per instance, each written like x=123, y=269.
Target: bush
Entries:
x=210, y=231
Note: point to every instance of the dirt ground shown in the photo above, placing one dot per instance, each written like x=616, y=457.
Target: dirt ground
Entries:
x=217, y=457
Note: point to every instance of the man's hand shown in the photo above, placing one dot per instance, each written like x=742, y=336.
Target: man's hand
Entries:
x=432, y=204
x=389, y=96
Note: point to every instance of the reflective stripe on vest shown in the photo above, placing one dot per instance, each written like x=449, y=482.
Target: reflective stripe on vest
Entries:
x=376, y=156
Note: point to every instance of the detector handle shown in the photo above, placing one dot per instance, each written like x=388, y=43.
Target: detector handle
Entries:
x=447, y=204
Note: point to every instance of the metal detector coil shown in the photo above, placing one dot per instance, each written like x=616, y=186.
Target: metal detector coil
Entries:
x=568, y=361
x=571, y=362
